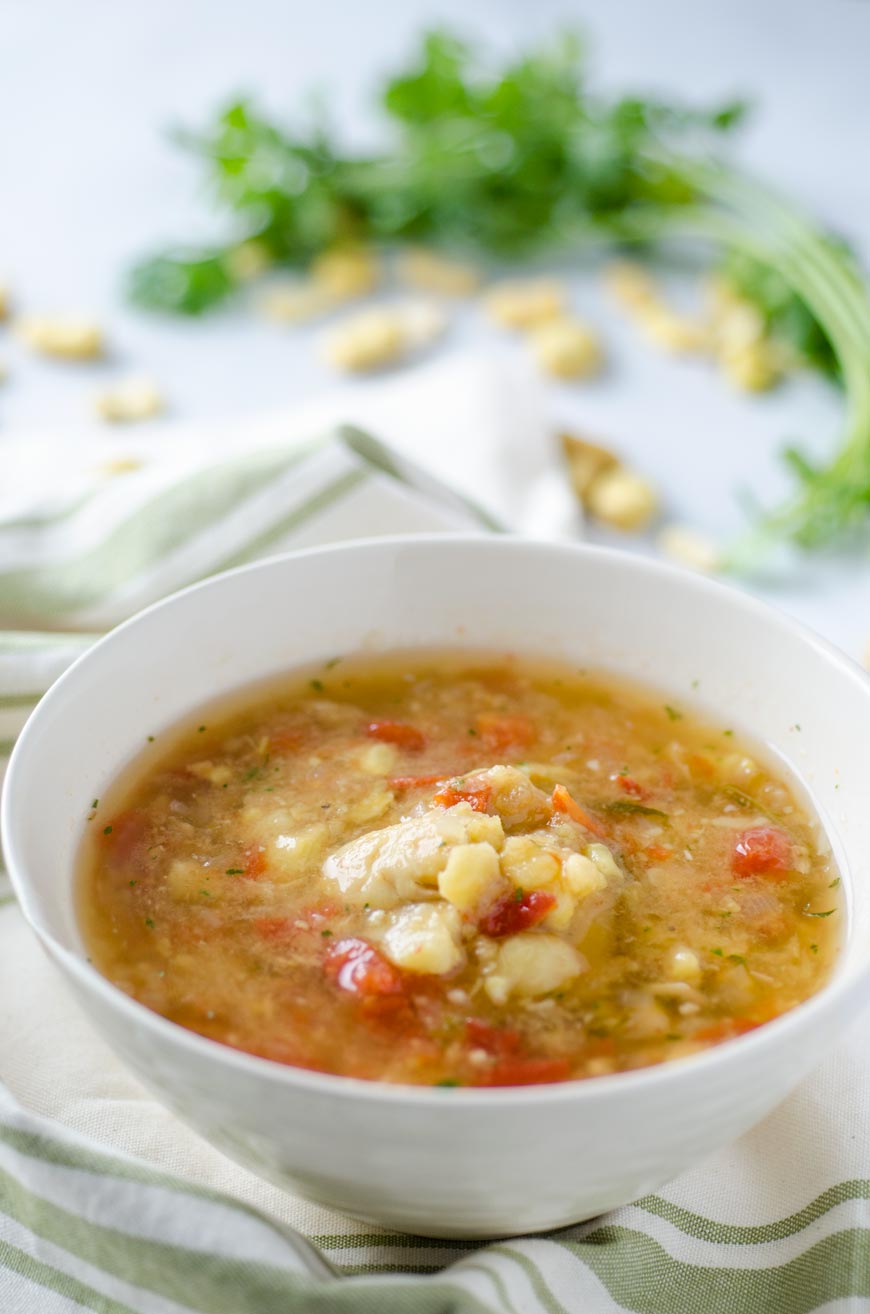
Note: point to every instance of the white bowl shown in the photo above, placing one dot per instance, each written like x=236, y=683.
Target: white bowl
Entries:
x=457, y=1163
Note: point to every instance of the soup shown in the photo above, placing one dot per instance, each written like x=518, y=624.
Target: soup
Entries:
x=461, y=870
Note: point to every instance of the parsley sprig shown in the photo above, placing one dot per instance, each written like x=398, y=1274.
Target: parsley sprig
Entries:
x=530, y=158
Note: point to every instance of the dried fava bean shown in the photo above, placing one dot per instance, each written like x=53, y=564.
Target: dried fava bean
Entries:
x=347, y=272
x=524, y=303
x=422, y=323
x=366, y=341
x=383, y=335
x=63, y=336
x=689, y=548
x=639, y=294
x=754, y=367
x=631, y=284
x=622, y=499
x=430, y=271
x=672, y=331
x=586, y=461
x=121, y=465
x=128, y=401
x=293, y=301
x=566, y=349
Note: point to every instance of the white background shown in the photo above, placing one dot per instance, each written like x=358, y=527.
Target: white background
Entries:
x=88, y=182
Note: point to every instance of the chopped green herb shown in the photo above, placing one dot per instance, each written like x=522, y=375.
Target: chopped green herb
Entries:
x=200, y=729
x=673, y=1036
x=695, y=683
x=747, y=801
x=814, y=948
x=317, y=685
x=673, y=714
x=471, y=730
x=447, y=1082
x=834, y=883
x=150, y=739
x=95, y=803
x=737, y=958
x=326, y=934
x=149, y=922
x=132, y=882
x=518, y=894
x=249, y=775
x=828, y=913
x=207, y=893
x=107, y=830
x=625, y=807
x=333, y=661
x=718, y=952
x=728, y=732
x=235, y=871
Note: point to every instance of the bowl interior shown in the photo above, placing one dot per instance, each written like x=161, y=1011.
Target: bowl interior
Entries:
x=711, y=648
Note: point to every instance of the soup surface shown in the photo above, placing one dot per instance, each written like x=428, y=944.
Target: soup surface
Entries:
x=458, y=869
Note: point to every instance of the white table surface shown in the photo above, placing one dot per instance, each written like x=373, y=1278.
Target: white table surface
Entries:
x=89, y=182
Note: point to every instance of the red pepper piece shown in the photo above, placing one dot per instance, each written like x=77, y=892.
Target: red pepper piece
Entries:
x=632, y=787
x=509, y=914
x=478, y=795
x=255, y=862
x=500, y=731
x=495, y=1040
x=563, y=802
x=396, y=732
x=356, y=966
x=527, y=1072
x=413, y=782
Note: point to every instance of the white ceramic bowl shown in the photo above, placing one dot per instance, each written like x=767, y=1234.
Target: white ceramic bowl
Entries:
x=460, y=1163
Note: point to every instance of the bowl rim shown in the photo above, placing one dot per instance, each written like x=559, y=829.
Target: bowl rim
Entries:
x=825, y=1001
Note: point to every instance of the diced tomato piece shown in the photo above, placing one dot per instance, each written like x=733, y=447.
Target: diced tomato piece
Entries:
x=255, y=862
x=395, y=732
x=762, y=851
x=563, y=802
x=284, y=741
x=495, y=1040
x=414, y=782
x=658, y=852
x=509, y=914
x=356, y=966
x=477, y=794
x=632, y=787
x=275, y=928
x=727, y=1029
x=500, y=731
x=126, y=837
x=527, y=1072
x=321, y=912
